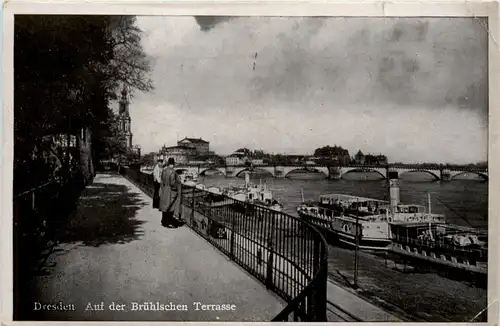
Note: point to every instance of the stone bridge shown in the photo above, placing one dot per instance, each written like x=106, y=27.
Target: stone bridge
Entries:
x=336, y=172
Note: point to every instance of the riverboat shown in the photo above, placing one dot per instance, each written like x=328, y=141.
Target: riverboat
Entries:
x=346, y=216
x=408, y=230
x=443, y=244
x=373, y=229
x=258, y=195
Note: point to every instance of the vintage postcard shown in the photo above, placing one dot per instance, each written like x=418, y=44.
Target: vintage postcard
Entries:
x=257, y=162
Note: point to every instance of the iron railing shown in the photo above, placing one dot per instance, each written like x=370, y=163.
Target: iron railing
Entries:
x=285, y=253
x=37, y=215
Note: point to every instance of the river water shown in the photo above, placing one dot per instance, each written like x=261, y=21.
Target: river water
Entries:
x=413, y=296
x=463, y=201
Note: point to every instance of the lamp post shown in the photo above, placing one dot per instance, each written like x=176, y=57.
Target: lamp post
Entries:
x=356, y=249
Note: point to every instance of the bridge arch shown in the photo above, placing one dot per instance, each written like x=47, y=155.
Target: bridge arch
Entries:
x=304, y=169
x=437, y=177
x=364, y=170
x=254, y=170
x=482, y=175
x=203, y=171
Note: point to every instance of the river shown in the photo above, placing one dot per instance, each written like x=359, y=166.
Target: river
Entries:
x=413, y=296
x=464, y=201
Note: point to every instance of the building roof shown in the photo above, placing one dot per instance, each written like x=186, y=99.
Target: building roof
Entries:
x=194, y=140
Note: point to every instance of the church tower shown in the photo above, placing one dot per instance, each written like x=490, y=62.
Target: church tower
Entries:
x=124, y=119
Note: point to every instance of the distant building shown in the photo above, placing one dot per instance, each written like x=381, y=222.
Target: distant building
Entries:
x=237, y=158
x=178, y=153
x=199, y=145
x=199, y=162
x=257, y=162
x=381, y=159
x=359, y=158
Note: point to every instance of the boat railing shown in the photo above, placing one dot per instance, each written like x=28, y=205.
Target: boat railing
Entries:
x=440, y=245
x=283, y=252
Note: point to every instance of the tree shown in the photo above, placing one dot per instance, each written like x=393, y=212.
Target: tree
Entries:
x=107, y=140
x=129, y=65
x=67, y=70
x=148, y=159
x=330, y=152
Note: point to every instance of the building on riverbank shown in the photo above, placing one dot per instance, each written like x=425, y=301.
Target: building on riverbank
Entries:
x=199, y=146
x=178, y=153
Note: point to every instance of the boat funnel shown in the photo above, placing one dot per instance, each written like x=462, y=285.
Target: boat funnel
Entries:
x=394, y=191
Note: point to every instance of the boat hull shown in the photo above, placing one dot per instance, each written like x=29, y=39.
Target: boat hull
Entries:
x=447, y=260
x=347, y=238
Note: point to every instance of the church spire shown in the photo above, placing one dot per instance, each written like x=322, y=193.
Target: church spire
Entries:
x=124, y=103
x=124, y=118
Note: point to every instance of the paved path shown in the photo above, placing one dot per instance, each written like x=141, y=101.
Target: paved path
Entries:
x=115, y=252
x=347, y=306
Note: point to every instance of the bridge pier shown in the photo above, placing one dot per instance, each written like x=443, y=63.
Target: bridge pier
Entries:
x=334, y=172
x=391, y=173
x=230, y=171
x=279, y=172
x=445, y=175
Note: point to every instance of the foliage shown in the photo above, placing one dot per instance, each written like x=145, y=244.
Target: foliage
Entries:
x=375, y=159
x=67, y=70
x=148, y=159
x=107, y=141
x=329, y=151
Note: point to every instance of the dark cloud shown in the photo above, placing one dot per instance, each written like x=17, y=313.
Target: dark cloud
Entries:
x=408, y=62
x=206, y=23
x=401, y=65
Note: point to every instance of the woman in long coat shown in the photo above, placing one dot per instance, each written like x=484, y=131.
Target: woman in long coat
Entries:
x=170, y=195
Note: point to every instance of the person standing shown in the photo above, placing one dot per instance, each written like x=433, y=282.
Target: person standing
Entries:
x=156, y=182
x=170, y=195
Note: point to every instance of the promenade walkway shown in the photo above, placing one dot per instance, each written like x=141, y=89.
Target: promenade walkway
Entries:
x=345, y=306
x=114, y=253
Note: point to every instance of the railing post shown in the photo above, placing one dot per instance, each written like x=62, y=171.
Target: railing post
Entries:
x=192, y=205
x=270, y=261
x=231, y=243
x=269, y=270
x=317, y=300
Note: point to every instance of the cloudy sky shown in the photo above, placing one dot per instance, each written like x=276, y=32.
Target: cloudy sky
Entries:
x=413, y=89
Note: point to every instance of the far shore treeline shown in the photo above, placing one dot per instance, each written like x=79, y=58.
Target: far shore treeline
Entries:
x=326, y=155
